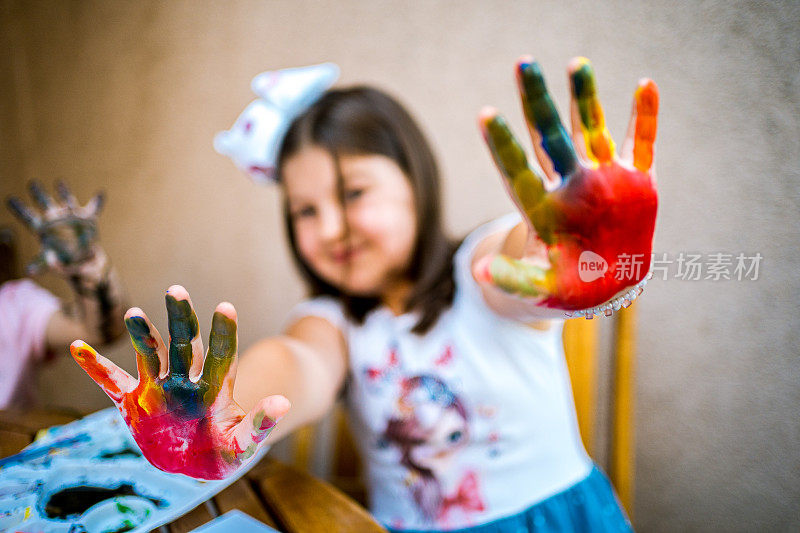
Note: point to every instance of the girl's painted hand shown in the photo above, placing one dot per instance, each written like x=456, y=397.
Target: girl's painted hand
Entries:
x=181, y=410
x=66, y=230
x=591, y=216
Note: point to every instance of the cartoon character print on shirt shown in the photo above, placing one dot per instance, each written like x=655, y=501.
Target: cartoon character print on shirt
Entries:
x=430, y=426
x=486, y=412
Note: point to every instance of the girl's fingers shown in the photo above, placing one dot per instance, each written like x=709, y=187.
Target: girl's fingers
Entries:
x=597, y=140
x=513, y=275
x=95, y=205
x=114, y=381
x=643, y=125
x=66, y=195
x=577, y=130
x=526, y=186
x=257, y=425
x=551, y=141
x=626, y=150
x=151, y=353
x=185, y=345
x=41, y=197
x=221, y=354
x=24, y=213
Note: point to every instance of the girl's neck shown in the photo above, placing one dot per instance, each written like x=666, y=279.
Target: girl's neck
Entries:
x=396, y=296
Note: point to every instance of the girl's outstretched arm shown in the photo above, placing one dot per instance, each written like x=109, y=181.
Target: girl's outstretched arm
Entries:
x=181, y=409
x=307, y=365
x=584, y=247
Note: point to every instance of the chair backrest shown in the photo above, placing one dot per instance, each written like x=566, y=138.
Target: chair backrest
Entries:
x=581, y=350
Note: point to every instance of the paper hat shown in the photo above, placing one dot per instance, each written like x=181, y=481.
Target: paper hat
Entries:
x=255, y=138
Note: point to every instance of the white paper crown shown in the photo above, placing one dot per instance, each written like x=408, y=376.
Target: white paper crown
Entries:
x=255, y=138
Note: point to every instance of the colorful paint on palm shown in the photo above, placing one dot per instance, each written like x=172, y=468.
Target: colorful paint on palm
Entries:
x=592, y=213
x=183, y=423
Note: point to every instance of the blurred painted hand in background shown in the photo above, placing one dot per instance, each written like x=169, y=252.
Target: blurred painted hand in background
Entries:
x=66, y=230
x=591, y=214
x=181, y=409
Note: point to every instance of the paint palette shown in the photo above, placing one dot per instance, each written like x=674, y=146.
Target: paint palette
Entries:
x=90, y=476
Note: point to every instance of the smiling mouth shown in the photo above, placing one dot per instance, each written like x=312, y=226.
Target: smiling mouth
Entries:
x=344, y=256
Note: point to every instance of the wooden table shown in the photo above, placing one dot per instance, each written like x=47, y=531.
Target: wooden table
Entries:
x=274, y=493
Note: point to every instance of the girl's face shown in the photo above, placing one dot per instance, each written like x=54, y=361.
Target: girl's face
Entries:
x=363, y=247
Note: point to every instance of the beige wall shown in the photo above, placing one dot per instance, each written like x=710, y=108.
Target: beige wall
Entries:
x=126, y=96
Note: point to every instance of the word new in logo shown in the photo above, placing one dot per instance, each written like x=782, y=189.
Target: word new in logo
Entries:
x=591, y=266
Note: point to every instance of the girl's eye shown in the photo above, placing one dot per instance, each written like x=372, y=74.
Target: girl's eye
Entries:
x=353, y=194
x=454, y=436
x=307, y=211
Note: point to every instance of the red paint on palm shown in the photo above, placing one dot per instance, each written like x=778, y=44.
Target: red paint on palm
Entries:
x=175, y=443
x=609, y=211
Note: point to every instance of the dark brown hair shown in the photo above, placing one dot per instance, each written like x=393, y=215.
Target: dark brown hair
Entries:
x=362, y=120
x=8, y=256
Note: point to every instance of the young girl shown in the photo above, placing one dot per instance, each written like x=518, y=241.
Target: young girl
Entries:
x=453, y=372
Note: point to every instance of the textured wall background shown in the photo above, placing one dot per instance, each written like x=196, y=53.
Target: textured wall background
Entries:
x=126, y=96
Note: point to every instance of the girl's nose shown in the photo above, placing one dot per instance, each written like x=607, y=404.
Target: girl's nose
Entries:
x=332, y=225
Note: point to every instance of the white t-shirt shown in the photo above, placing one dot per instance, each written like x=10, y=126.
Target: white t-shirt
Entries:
x=470, y=422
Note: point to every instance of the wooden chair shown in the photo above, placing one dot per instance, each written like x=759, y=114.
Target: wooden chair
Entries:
x=580, y=348
x=582, y=354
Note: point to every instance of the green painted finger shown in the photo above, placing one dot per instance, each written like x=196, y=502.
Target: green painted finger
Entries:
x=527, y=185
x=221, y=352
x=42, y=198
x=599, y=145
x=542, y=113
x=514, y=276
x=183, y=328
x=146, y=346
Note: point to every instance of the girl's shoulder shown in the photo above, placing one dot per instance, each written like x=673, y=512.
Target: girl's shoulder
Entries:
x=325, y=307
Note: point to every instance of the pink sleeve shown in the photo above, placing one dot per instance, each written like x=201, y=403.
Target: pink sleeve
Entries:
x=25, y=310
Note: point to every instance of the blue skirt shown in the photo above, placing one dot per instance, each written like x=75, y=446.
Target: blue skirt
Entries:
x=589, y=505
